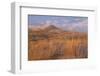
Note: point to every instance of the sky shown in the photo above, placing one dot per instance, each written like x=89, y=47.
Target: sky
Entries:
x=75, y=23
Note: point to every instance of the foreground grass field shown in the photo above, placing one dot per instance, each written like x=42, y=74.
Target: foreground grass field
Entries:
x=46, y=44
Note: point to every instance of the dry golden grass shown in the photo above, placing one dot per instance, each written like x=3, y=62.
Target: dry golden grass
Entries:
x=64, y=45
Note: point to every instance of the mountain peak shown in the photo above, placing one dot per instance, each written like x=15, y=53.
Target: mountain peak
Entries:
x=51, y=27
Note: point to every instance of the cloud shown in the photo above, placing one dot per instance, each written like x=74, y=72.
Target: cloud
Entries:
x=79, y=26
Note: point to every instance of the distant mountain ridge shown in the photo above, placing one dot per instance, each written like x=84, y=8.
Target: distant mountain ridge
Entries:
x=56, y=28
x=48, y=29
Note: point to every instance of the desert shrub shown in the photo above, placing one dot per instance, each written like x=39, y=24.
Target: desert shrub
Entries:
x=39, y=37
x=81, y=51
x=58, y=50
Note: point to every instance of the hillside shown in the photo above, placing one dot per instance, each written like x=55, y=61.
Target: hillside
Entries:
x=55, y=43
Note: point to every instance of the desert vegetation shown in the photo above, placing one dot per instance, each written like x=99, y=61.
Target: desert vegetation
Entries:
x=54, y=43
